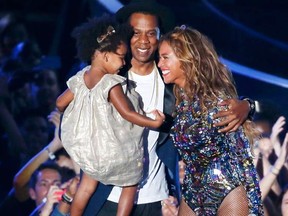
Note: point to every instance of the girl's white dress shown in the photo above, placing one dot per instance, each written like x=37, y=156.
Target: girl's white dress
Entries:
x=105, y=146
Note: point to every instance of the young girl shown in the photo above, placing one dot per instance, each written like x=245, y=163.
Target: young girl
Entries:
x=220, y=177
x=101, y=128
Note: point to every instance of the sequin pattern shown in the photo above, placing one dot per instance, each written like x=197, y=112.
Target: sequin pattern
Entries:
x=216, y=163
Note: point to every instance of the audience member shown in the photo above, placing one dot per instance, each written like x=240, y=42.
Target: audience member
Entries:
x=55, y=193
x=44, y=186
x=64, y=206
x=19, y=195
x=269, y=184
x=272, y=166
x=284, y=201
x=35, y=131
x=27, y=53
x=63, y=159
x=12, y=32
x=21, y=92
x=47, y=89
x=45, y=175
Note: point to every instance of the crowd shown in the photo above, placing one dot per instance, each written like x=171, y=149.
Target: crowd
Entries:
x=162, y=93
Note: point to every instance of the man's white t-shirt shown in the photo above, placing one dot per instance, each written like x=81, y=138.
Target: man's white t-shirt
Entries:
x=153, y=187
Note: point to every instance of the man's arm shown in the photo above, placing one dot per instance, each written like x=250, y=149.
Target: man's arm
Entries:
x=237, y=113
x=21, y=179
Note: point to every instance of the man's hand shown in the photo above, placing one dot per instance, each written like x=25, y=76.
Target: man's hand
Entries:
x=53, y=196
x=234, y=116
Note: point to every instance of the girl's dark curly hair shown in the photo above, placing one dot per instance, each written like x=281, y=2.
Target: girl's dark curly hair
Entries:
x=87, y=33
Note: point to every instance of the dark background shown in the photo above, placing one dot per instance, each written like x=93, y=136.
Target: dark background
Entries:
x=253, y=33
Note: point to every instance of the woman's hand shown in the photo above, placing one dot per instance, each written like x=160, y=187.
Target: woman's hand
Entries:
x=170, y=206
x=235, y=116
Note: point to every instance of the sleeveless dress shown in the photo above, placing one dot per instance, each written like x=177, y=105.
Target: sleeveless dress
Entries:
x=216, y=163
x=105, y=146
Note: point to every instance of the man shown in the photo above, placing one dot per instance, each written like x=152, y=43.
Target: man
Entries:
x=46, y=176
x=147, y=18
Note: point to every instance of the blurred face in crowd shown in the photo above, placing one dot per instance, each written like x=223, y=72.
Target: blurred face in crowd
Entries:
x=47, y=88
x=284, y=204
x=35, y=132
x=46, y=178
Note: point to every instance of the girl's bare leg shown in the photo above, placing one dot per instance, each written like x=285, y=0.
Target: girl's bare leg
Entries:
x=84, y=192
x=235, y=203
x=126, y=201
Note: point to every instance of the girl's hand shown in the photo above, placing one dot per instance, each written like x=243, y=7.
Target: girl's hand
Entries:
x=159, y=117
x=170, y=206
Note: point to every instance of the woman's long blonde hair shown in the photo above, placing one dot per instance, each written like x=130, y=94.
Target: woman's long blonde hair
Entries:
x=207, y=77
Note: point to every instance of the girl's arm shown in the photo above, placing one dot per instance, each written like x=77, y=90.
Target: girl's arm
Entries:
x=64, y=99
x=125, y=108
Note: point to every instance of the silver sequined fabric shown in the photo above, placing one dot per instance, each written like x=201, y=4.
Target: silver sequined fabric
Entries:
x=216, y=163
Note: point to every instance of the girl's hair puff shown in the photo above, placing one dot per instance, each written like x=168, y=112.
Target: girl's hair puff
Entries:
x=87, y=33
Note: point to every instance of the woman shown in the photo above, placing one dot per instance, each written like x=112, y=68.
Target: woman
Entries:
x=220, y=178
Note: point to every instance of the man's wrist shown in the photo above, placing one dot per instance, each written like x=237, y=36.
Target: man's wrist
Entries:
x=67, y=199
x=50, y=153
x=252, y=106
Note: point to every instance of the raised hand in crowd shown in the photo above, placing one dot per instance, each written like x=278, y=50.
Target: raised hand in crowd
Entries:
x=277, y=128
x=269, y=179
x=63, y=207
x=21, y=179
x=53, y=196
